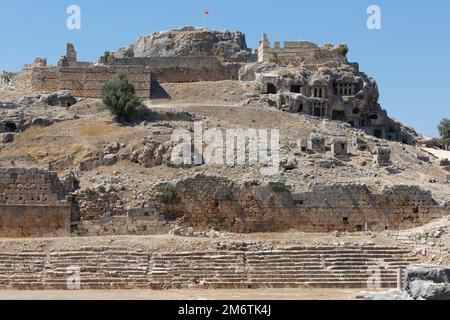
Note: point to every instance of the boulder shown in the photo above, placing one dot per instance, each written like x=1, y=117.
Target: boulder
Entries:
x=434, y=274
x=428, y=290
x=249, y=71
x=70, y=181
x=42, y=121
x=60, y=98
x=6, y=137
x=110, y=159
x=443, y=162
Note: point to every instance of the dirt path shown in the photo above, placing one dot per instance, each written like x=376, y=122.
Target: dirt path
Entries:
x=191, y=294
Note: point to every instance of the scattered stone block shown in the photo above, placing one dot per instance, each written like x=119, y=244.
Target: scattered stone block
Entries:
x=382, y=155
x=6, y=137
x=316, y=142
x=423, y=158
x=110, y=159
x=443, y=162
x=41, y=121
x=359, y=144
x=339, y=146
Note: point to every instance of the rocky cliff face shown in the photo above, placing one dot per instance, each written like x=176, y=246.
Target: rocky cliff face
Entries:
x=341, y=93
x=190, y=41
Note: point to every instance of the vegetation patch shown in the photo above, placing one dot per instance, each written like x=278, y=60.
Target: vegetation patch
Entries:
x=278, y=187
x=120, y=96
x=167, y=193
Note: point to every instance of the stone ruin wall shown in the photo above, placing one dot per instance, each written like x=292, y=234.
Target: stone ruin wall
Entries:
x=206, y=202
x=88, y=80
x=299, y=53
x=81, y=81
x=33, y=204
x=107, y=221
x=184, y=69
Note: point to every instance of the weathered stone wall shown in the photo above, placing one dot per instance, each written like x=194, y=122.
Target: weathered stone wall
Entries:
x=184, y=69
x=205, y=202
x=103, y=217
x=124, y=225
x=228, y=266
x=88, y=82
x=33, y=203
x=81, y=81
x=300, y=53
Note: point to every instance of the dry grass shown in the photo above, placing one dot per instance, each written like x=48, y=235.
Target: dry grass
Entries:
x=93, y=129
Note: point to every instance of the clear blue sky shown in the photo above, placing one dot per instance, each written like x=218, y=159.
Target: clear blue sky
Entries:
x=409, y=57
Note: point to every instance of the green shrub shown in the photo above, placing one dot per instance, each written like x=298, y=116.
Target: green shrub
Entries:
x=120, y=96
x=384, y=202
x=88, y=193
x=228, y=195
x=278, y=186
x=107, y=56
x=404, y=200
x=343, y=50
x=168, y=193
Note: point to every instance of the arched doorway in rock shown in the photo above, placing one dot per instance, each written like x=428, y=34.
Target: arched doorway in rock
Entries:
x=271, y=89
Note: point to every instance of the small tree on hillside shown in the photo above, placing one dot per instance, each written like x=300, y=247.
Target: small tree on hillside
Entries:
x=444, y=131
x=107, y=56
x=120, y=96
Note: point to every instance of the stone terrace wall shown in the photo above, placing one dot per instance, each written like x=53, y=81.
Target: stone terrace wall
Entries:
x=33, y=204
x=184, y=69
x=205, y=202
x=81, y=81
x=136, y=221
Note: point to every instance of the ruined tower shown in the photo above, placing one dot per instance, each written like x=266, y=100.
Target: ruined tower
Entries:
x=263, y=44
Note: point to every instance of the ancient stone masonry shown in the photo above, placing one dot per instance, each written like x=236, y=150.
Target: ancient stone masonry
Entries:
x=339, y=146
x=184, y=69
x=320, y=82
x=316, y=143
x=81, y=81
x=301, y=53
x=382, y=155
x=183, y=55
x=209, y=201
x=248, y=266
x=33, y=203
x=101, y=215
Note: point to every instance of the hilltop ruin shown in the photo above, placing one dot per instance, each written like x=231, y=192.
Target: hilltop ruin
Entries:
x=298, y=77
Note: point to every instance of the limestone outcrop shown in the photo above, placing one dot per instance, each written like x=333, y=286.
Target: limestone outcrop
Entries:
x=190, y=41
x=422, y=282
x=341, y=93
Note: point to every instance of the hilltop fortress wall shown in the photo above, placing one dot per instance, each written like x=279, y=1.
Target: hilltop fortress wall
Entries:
x=86, y=79
x=184, y=69
x=301, y=53
x=81, y=81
